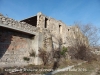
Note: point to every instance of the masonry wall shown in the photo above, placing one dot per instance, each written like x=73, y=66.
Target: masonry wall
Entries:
x=40, y=20
x=60, y=32
x=75, y=35
x=17, y=39
x=20, y=42
x=13, y=47
x=16, y=25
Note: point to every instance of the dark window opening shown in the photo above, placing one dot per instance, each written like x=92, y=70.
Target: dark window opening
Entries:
x=32, y=37
x=32, y=21
x=60, y=29
x=45, y=22
x=68, y=29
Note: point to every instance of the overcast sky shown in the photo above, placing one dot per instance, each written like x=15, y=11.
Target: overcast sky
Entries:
x=69, y=11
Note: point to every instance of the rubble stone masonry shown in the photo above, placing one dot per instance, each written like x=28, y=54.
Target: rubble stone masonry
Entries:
x=19, y=39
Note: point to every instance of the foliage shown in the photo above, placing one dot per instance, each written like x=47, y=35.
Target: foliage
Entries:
x=26, y=58
x=44, y=56
x=80, y=48
x=56, y=53
x=63, y=51
x=82, y=52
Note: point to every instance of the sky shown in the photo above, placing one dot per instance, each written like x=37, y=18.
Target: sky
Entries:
x=68, y=11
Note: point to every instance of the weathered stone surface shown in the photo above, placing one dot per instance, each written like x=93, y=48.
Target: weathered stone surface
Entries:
x=14, y=46
x=21, y=38
x=16, y=25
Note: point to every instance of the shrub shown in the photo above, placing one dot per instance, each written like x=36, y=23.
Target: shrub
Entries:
x=56, y=54
x=63, y=51
x=26, y=58
x=82, y=52
x=44, y=56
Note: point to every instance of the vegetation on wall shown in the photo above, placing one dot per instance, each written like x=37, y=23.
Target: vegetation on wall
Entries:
x=63, y=51
x=26, y=58
x=81, y=50
x=44, y=56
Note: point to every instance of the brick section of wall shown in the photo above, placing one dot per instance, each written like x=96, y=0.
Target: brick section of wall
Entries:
x=14, y=46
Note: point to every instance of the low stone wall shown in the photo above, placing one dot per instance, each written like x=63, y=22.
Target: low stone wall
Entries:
x=20, y=26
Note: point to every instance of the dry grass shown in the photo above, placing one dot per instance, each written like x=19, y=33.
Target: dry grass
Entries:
x=65, y=62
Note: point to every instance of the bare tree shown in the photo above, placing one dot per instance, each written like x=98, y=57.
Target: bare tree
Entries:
x=80, y=48
x=91, y=32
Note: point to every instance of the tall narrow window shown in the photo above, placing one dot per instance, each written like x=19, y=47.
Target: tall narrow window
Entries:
x=60, y=29
x=45, y=22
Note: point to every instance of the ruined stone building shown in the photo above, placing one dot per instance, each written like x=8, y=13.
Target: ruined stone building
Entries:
x=19, y=39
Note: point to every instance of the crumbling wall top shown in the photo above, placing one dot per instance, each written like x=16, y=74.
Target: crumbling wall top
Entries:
x=16, y=25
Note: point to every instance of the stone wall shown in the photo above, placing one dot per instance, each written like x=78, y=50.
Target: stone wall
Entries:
x=14, y=46
x=20, y=26
x=76, y=36
x=19, y=39
x=60, y=31
x=40, y=20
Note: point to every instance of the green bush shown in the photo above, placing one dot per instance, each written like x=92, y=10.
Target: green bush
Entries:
x=63, y=51
x=26, y=58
